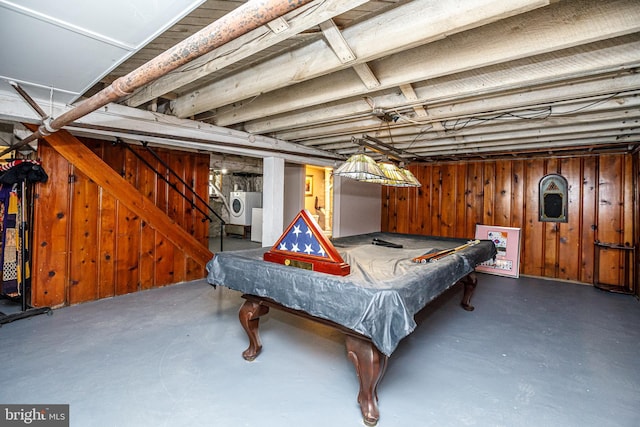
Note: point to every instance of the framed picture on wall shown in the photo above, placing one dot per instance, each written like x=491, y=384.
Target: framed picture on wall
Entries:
x=308, y=185
x=507, y=241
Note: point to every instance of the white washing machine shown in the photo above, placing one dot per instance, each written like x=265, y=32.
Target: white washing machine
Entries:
x=242, y=204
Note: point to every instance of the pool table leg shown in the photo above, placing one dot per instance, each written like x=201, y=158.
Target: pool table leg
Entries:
x=249, y=315
x=470, y=281
x=370, y=365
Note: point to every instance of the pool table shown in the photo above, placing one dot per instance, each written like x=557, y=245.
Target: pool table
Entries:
x=373, y=306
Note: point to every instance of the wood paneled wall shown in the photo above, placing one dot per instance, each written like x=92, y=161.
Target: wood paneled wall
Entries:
x=454, y=197
x=88, y=246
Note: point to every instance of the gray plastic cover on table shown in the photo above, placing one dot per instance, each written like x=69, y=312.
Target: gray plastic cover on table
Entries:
x=378, y=299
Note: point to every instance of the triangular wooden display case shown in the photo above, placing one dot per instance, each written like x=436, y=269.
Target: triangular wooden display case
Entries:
x=304, y=245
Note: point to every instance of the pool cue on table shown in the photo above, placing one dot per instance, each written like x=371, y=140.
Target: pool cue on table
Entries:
x=380, y=242
x=423, y=259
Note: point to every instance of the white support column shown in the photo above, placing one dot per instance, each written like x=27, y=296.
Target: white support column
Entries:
x=272, y=200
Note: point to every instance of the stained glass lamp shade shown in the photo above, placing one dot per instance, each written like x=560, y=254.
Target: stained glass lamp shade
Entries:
x=360, y=167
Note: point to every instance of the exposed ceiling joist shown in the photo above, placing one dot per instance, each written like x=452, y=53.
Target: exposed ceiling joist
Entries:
x=565, y=78
x=243, y=47
x=475, y=112
x=116, y=120
x=368, y=41
x=441, y=80
x=502, y=42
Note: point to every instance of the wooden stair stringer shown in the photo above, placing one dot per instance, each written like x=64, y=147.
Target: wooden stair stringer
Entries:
x=102, y=174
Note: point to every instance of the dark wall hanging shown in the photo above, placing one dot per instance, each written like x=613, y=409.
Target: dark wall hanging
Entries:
x=553, y=198
x=17, y=179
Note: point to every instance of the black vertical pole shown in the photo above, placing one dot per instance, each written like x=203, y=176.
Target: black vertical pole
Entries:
x=23, y=242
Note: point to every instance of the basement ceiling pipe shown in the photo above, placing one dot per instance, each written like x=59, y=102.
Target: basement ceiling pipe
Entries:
x=239, y=21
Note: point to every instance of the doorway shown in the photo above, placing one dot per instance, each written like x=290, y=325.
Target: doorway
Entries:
x=318, y=196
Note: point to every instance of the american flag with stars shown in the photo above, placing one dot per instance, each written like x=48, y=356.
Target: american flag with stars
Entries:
x=301, y=239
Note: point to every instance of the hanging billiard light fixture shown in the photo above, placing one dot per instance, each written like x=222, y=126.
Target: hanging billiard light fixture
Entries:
x=410, y=177
x=392, y=174
x=362, y=167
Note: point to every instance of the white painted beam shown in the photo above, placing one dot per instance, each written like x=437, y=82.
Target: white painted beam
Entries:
x=541, y=31
x=612, y=122
x=460, y=109
x=449, y=90
x=558, y=130
x=261, y=38
x=509, y=131
x=476, y=111
x=411, y=24
x=534, y=146
x=126, y=122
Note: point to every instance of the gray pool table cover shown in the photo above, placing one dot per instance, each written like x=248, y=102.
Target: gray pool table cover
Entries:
x=378, y=299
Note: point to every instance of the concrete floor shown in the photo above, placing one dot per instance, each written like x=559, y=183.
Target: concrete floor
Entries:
x=232, y=243
x=533, y=353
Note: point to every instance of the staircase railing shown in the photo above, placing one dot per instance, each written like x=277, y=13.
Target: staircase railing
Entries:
x=174, y=186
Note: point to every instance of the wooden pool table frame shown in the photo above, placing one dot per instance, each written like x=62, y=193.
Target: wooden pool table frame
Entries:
x=370, y=363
